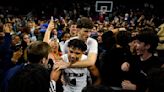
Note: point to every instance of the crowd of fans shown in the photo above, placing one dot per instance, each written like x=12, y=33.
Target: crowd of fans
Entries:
x=120, y=52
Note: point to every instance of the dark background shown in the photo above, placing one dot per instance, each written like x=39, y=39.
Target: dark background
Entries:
x=25, y=6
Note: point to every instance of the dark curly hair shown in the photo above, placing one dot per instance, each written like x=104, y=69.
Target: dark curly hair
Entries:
x=79, y=44
x=85, y=22
x=148, y=36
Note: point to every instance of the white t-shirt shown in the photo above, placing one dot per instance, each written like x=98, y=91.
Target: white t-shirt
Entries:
x=61, y=44
x=75, y=78
x=92, y=45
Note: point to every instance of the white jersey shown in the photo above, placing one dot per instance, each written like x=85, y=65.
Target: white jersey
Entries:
x=92, y=45
x=52, y=87
x=75, y=78
x=61, y=44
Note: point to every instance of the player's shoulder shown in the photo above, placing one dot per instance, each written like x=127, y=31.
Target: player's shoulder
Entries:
x=91, y=40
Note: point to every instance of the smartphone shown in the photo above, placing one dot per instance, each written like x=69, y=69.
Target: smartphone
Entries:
x=18, y=47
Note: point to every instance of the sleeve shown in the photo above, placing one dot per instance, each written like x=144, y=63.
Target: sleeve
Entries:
x=7, y=41
x=65, y=47
x=93, y=47
x=52, y=87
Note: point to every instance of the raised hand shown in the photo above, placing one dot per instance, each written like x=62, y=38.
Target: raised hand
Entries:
x=6, y=28
x=51, y=25
x=16, y=56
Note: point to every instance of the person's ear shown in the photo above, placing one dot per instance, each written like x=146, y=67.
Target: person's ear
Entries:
x=147, y=46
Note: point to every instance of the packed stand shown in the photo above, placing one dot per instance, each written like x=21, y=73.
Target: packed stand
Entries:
x=81, y=54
